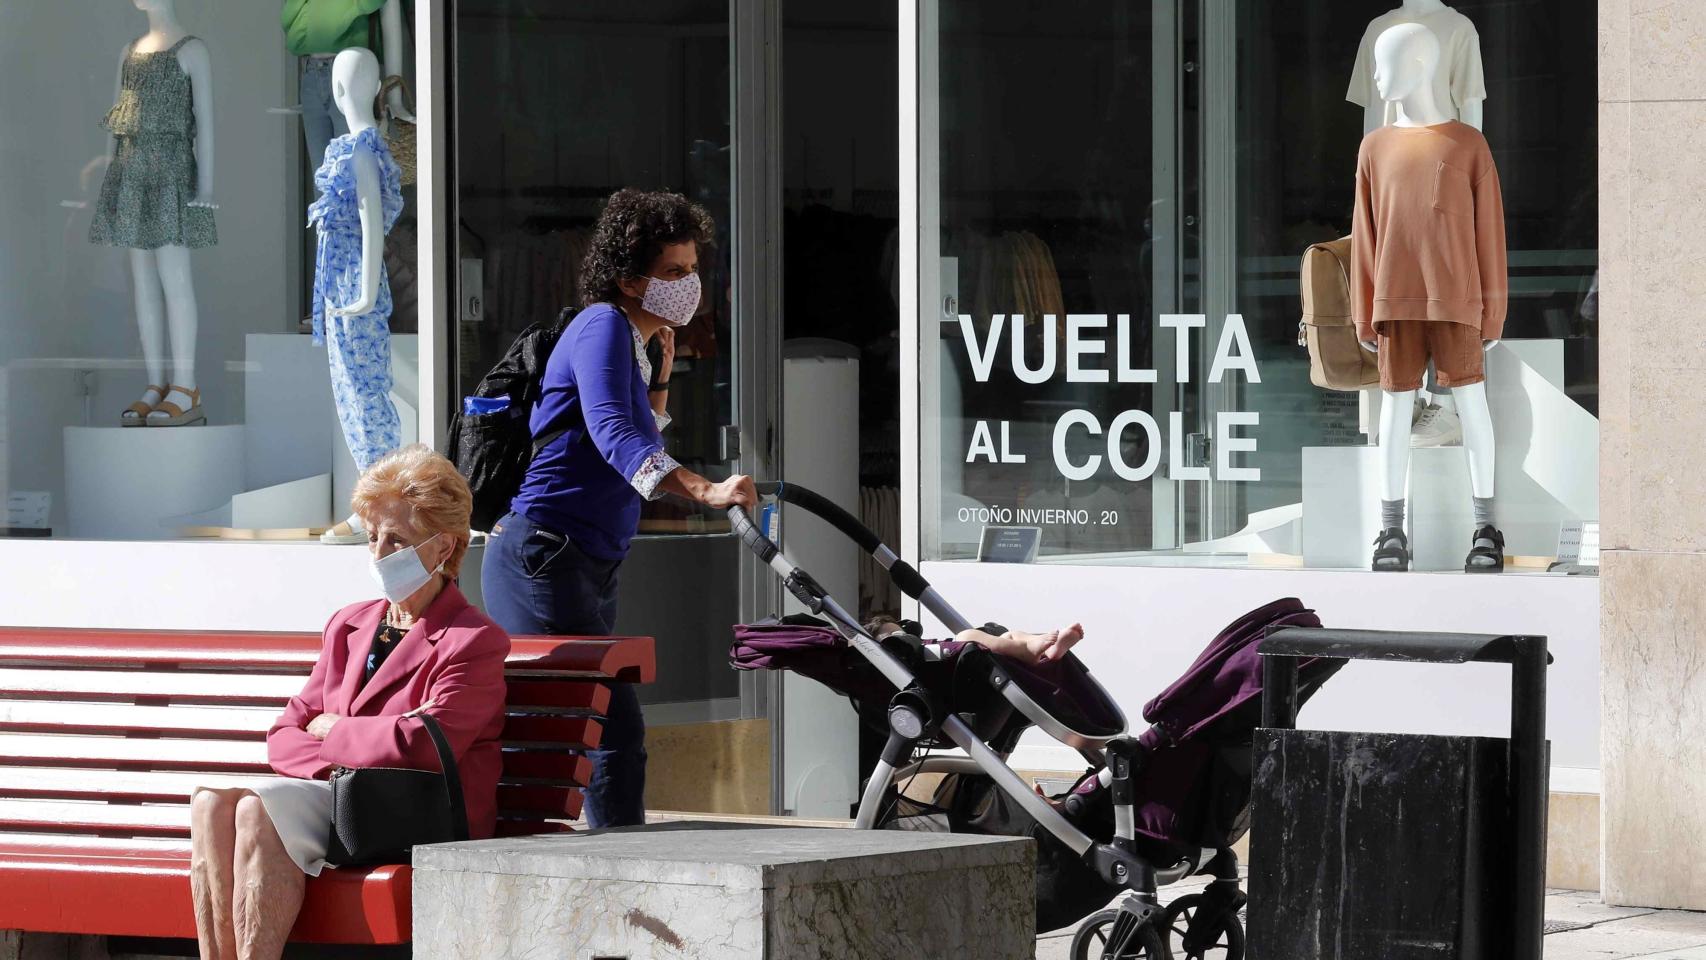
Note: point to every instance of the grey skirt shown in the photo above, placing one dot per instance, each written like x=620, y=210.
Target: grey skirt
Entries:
x=301, y=811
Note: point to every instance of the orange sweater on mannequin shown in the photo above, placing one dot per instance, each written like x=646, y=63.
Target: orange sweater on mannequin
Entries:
x=1429, y=230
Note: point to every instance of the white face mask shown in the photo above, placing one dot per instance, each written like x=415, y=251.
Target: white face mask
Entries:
x=401, y=573
x=674, y=300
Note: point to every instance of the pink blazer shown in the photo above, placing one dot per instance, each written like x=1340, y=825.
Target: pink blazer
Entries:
x=453, y=656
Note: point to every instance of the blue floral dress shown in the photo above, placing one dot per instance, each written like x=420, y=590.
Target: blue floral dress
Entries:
x=358, y=348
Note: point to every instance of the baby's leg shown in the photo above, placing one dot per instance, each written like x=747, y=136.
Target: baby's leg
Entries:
x=1029, y=647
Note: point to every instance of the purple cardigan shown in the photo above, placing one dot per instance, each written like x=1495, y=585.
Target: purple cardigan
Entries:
x=588, y=484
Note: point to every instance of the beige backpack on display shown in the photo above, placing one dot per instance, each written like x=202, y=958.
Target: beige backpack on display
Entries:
x=1336, y=360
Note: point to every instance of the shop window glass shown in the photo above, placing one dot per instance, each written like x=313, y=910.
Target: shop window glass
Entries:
x=117, y=122
x=557, y=106
x=1115, y=203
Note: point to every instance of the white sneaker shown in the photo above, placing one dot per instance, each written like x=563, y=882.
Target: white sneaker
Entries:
x=1436, y=427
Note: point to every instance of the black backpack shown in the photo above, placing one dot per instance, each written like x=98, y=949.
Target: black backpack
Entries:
x=493, y=450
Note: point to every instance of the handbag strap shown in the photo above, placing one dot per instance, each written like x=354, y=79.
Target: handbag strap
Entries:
x=452, y=777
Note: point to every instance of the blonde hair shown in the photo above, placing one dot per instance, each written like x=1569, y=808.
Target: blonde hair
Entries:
x=438, y=499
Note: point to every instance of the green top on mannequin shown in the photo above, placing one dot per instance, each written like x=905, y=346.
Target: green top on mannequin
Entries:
x=327, y=26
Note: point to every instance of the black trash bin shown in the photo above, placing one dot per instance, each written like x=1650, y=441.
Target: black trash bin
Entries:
x=1384, y=846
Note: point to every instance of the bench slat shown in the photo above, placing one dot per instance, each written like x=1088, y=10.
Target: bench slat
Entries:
x=129, y=751
x=73, y=891
x=70, y=783
x=555, y=694
x=91, y=817
x=251, y=689
x=577, y=732
x=151, y=786
x=269, y=688
x=629, y=659
x=227, y=721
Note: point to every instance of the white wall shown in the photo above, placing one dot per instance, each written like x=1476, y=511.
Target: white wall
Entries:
x=65, y=304
x=1144, y=626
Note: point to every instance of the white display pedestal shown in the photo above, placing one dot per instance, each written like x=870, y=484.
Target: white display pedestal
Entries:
x=292, y=424
x=128, y=483
x=1546, y=465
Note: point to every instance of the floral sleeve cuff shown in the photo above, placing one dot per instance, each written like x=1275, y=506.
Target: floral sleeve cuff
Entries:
x=663, y=420
x=651, y=473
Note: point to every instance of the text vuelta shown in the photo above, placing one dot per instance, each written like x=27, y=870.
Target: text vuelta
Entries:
x=1086, y=335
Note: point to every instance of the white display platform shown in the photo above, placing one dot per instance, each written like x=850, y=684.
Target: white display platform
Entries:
x=1144, y=625
x=287, y=410
x=282, y=506
x=1546, y=466
x=128, y=483
x=292, y=424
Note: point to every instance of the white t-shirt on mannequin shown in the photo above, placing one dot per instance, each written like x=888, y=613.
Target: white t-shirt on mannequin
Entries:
x=1459, y=80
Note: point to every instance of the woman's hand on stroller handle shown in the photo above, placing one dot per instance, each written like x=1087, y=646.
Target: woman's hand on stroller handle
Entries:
x=736, y=491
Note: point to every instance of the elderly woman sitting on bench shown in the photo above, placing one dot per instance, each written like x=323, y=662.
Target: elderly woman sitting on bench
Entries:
x=422, y=650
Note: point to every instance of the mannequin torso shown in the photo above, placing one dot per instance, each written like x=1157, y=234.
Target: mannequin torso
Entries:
x=355, y=84
x=1459, y=88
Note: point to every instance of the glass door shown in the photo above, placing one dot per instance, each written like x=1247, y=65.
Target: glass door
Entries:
x=556, y=106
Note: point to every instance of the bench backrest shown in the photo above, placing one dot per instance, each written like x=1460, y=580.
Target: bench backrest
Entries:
x=107, y=732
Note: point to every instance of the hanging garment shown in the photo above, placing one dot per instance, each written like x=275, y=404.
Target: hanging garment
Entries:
x=145, y=197
x=359, y=347
x=1457, y=83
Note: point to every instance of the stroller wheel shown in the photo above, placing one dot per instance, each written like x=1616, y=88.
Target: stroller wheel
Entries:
x=1116, y=935
x=1224, y=942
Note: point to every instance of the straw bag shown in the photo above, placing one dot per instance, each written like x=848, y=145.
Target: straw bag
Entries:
x=1336, y=360
x=399, y=134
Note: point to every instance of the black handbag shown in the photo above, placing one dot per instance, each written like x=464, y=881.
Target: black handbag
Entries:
x=380, y=813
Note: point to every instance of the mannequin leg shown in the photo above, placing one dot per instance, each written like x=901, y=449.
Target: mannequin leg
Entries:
x=150, y=323
x=182, y=318
x=1395, y=412
x=1487, y=547
x=1477, y=420
x=1392, y=548
x=359, y=351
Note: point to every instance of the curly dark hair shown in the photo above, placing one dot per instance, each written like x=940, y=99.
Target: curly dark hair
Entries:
x=632, y=231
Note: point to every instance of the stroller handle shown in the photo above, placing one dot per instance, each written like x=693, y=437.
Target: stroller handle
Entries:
x=749, y=533
x=904, y=575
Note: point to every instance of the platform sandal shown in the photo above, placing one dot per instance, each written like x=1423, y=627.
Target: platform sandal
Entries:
x=176, y=416
x=1391, y=552
x=1487, y=552
x=136, y=415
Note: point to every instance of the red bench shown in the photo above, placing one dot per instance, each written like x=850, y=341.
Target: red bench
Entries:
x=103, y=734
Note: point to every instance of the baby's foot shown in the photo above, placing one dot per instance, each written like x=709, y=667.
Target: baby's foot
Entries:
x=1048, y=647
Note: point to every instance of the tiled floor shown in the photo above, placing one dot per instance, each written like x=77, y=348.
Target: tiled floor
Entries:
x=1588, y=930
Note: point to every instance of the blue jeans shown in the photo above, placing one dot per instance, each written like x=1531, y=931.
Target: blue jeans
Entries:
x=536, y=581
x=321, y=118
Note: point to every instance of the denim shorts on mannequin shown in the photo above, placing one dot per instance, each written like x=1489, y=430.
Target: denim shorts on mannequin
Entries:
x=321, y=118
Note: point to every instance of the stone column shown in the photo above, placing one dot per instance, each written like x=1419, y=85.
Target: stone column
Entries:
x=1652, y=328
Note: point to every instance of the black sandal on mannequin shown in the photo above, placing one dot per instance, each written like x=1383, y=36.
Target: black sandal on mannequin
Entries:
x=1391, y=552
x=1487, y=552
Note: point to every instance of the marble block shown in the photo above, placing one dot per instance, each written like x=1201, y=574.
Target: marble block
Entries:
x=726, y=892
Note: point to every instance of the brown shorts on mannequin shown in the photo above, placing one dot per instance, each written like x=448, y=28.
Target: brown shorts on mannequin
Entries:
x=1406, y=346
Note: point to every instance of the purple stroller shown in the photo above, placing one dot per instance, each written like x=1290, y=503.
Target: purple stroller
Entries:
x=1151, y=810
